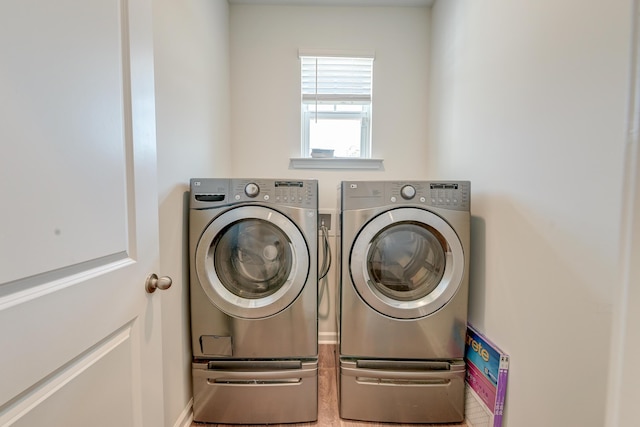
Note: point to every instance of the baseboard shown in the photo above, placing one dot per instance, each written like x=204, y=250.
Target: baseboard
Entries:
x=327, y=338
x=186, y=417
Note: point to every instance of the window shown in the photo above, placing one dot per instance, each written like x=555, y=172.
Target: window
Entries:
x=336, y=105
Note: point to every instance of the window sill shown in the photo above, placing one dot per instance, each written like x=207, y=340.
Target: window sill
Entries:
x=335, y=163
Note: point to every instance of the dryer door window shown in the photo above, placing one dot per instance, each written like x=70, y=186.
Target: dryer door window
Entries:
x=252, y=262
x=407, y=263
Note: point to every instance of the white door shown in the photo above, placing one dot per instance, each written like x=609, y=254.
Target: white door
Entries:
x=79, y=336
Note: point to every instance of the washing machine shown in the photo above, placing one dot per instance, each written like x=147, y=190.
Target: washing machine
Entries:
x=404, y=252
x=253, y=287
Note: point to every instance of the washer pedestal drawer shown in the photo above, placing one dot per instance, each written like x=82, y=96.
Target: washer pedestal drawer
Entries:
x=254, y=392
x=402, y=392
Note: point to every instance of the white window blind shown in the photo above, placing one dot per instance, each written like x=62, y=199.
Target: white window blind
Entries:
x=336, y=79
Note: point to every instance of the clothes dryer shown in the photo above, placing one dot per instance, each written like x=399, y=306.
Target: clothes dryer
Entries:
x=403, y=309
x=253, y=269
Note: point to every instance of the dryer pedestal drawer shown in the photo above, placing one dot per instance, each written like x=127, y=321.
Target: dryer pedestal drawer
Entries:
x=257, y=394
x=420, y=392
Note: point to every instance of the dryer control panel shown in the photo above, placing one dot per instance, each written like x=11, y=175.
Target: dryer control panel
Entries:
x=453, y=195
x=210, y=192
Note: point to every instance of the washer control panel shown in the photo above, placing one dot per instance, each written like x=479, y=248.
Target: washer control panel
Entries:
x=211, y=192
x=453, y=195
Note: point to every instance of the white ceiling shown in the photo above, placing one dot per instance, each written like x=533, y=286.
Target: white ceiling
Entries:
x=397, y=3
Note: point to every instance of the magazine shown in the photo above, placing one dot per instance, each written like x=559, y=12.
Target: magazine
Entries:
x=486, y=378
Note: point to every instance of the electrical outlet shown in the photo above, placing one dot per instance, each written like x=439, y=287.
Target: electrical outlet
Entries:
x=324, y=219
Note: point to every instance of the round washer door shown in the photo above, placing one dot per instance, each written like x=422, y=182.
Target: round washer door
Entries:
x=252, y=262
x=407, y=263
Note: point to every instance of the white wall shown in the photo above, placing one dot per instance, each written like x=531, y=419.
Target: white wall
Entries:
x=529, y=103
x=265, y=94
x=192, y=98
x=265, y=86
x=625, y=371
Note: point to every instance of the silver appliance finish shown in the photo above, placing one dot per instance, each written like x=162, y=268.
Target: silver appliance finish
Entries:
x=403, y=300
x=254, y=327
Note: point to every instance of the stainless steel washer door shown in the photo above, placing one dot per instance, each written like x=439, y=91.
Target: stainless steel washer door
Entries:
x=407, y=263
x=252, y=262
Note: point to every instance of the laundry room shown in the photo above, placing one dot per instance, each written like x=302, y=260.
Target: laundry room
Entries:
x=526, y=112
x=529, y=102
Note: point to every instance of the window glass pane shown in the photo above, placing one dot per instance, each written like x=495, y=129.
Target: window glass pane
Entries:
x=336, y=105
x=340, y=135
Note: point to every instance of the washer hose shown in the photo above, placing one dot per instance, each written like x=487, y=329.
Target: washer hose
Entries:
x=324, y=270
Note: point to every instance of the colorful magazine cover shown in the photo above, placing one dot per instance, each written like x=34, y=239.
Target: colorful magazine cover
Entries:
x=486, y=378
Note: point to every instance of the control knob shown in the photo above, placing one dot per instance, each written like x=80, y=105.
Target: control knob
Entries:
x=408, y=192
x=251, y=189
